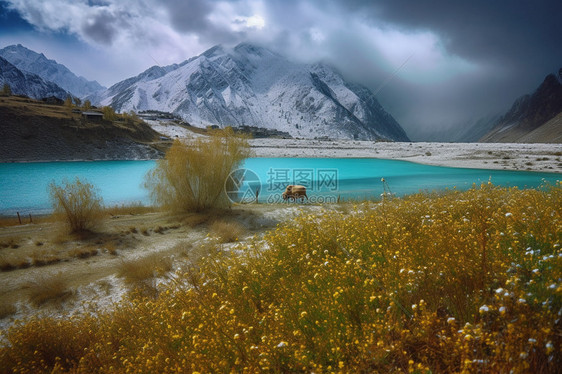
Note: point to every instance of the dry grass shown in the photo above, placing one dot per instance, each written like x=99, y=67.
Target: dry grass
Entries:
x=132, y=209
x=226, y=231
x=141, y=274
x=111, y=248
x=183, y=249
x=7, y=309
x=52, y=289
x=10, y=242
x=85, y=251
x=6, y=221
x=145, y=268
x=13, y=261
x=43, y=258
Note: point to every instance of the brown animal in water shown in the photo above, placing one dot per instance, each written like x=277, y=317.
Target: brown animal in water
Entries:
x=294, y=191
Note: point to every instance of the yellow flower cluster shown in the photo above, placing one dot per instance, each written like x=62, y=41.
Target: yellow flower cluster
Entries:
x=454, y=282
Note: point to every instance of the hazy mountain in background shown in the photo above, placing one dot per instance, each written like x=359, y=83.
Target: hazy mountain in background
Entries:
x=28, y=84
x=252, y=86
x=534, y=118
x=470, y=132
x=36, y=63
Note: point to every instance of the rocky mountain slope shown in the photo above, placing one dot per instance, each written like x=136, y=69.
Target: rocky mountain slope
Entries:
x=29, y=61
x=252, y=86
x=28, y=84
x=533, y=118
x=35, y=131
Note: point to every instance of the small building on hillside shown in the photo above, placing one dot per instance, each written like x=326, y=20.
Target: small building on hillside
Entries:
x=92, y=116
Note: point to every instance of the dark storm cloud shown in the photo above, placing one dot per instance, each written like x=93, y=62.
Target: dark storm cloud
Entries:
x=511, y=45
x=192, y=16
x=101, y=27
x=517, y=34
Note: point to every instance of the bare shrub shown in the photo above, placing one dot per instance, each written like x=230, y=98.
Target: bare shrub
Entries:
x=85, y=252
x=49, y=288
x=192, y=176
x=145, y=268
x=78, y=203
x=227, y=232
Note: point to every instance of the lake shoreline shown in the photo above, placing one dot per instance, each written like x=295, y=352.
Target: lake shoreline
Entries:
x=539, y=157
x=495, y=156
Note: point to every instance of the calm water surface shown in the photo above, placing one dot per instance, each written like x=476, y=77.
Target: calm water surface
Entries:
x=24, y=186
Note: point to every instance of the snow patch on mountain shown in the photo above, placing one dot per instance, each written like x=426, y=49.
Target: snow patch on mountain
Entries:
x=36, y=63
x=253, y=86
x=28, y=84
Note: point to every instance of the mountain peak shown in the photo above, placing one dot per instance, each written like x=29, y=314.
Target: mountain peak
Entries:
x=530, y=112
x=37, y=63
x=28, y=84
x=214, y=51
x=249, y=85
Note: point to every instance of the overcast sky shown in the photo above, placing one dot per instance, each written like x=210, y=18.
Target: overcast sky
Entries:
x=432, y=64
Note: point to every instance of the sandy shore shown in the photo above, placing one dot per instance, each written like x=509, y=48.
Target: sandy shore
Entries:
x=503, y=156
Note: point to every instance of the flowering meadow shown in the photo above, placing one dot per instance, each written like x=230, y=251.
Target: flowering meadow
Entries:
x=460, y=281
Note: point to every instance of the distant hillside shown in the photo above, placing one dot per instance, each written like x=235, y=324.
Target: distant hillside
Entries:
x=533, y=118
x=27, y=84
x=36, y=63
x=252, y=86
x=31, y=130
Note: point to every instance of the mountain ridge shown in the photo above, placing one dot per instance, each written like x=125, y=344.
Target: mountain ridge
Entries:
x=50, y=70
x=28, y=84
x=253, y=86
x=529, y=113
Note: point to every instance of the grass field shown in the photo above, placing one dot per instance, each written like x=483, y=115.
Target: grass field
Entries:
x=454, y=282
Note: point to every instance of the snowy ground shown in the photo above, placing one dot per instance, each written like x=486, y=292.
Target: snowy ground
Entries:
x=508, y=156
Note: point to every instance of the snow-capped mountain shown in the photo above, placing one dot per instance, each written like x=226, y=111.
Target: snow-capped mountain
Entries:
x=250, y=85
x=28, y=84
x=36, y=63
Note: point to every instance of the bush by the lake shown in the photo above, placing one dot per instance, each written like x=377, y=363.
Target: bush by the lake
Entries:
x=191, y=178
x=460, y=282
x=78, y=203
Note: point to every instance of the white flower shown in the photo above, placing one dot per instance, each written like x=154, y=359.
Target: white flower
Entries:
x=484, y=309
x=508, y=214
x=521, y=301
x=451, y=320
x=281, y=345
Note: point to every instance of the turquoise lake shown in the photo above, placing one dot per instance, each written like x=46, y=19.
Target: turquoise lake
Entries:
x=24, y=186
